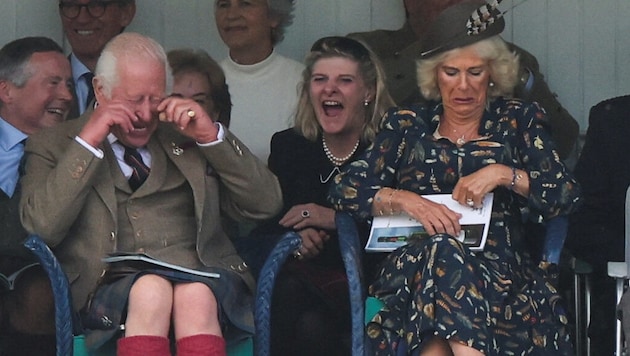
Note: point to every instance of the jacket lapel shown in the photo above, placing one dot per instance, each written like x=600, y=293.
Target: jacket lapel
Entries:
x=104, y=187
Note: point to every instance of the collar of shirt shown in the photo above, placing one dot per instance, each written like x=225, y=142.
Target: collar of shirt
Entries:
x=11, y=152
x=81, y=87
x=119, y=152
x=10, y=136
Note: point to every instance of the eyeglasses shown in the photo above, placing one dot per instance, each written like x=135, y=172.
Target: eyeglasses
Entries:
x=96, y=9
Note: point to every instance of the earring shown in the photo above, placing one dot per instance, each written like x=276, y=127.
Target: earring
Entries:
x=366, y=102
x=491, y=84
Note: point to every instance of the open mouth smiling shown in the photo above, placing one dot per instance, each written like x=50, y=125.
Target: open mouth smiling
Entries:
x=332, y=107
x=84, y=32
x=59, y=112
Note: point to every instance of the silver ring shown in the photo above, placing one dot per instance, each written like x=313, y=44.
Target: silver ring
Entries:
x=305, y=214
x=191, y=113
x=470, y=202
x=297, y=254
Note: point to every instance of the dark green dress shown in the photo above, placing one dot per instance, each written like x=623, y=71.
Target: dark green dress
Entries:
x=497, y=301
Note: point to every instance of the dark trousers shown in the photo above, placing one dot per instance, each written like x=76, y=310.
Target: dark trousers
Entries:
x=27, y=313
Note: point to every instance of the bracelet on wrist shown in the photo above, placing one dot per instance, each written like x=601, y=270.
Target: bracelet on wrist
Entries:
x=381, y=202
x=389, y=201
x=515, y=178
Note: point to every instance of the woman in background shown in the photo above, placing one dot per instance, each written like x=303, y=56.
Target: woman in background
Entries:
x=263, y=83
x=197, y=76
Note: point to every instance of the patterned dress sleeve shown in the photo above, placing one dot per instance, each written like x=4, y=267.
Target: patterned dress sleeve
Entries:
x=354, y=189
x=552, y=188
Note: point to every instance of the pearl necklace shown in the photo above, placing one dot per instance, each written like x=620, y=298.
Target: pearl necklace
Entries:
x=338, y=161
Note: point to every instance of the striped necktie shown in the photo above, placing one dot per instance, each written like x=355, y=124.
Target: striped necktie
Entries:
x=140, y=170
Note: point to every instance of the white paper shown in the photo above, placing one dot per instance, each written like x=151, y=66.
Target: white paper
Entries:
x=390, y=232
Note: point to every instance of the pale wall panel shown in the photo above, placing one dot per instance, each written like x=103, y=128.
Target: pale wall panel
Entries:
x=529, y=22
x=622, y=44
x=8, y=19
x=386, y=14
x=564, y=51
x=599, y=51
x=29, y=18
x=582, y=45
x=192, y=26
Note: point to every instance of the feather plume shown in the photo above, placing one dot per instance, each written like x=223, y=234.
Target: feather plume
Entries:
x=484, y=16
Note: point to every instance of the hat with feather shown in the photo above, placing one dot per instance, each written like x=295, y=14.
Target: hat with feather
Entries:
x=461, y=25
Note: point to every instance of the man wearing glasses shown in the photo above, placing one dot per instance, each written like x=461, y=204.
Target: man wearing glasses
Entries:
x=89, y=25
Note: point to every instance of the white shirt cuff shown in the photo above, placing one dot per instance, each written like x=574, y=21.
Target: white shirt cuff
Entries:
x=220, y=137
x=96, y=151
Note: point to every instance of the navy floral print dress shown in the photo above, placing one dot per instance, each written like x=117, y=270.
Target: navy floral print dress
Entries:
x=496, y=301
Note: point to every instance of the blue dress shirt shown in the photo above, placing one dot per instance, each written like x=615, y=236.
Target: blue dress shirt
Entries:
x=81, y=86
x=11, y=152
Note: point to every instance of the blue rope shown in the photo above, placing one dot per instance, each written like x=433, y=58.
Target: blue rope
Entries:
x=289, y=243
x=61, y=289
x=350, y=247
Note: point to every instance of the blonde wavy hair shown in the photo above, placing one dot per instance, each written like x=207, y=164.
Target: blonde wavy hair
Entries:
x=371, y=72
x=503, y=66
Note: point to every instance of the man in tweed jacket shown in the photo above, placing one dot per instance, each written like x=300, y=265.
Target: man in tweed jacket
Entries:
x=77, y=198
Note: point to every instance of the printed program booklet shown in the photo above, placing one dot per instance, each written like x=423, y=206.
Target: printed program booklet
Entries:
x=141, y=260
x=390, y=232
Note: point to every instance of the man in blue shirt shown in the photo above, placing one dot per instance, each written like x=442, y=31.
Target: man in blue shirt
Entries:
x=88, y=26
x=35, y=92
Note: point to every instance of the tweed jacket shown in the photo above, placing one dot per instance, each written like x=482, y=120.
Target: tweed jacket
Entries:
x=68, y=198
x=398, y=50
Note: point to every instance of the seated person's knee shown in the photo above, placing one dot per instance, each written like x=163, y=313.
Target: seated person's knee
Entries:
x=195, y=310
x=150, y=305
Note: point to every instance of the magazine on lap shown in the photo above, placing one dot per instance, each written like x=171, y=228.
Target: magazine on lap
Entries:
x=390, y=232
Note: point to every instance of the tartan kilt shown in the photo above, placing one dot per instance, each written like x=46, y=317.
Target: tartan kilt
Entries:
x=106, y=309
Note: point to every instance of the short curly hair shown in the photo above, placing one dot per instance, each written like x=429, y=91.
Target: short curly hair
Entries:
x=282, y=11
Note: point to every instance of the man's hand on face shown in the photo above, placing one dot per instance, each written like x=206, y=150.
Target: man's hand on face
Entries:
x=134, y=124
x=110, y=116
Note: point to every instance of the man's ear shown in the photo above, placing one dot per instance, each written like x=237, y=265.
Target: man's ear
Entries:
x=6, y=89
x=97, y=84
x=127, y=14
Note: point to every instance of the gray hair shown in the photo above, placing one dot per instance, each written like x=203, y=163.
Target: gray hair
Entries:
x=15, y=58
x=282, y=11
x=503, y=67
x=128, y=45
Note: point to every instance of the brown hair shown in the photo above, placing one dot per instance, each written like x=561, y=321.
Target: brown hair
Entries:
x=189, y=60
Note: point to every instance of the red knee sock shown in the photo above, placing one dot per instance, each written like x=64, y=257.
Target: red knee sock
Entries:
x=142, y=345
x=201, y=345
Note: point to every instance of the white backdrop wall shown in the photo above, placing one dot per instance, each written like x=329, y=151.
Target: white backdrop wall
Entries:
x=582, y=45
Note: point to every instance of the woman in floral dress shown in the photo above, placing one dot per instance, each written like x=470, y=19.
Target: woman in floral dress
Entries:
x=440, y=298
